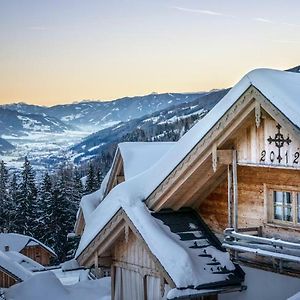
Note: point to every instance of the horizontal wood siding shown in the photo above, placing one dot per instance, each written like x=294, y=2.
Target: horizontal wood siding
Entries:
x=251, y=210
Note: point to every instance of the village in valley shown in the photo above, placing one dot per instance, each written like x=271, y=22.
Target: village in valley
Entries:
x=171, y=195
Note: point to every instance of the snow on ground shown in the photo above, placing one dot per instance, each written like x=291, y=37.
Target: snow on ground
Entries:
x=46, y=286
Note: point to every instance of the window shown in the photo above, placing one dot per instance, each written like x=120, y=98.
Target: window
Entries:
x=284, y=206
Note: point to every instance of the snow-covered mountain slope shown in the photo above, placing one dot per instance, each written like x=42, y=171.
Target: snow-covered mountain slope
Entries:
x=155, y=126
x=15, y=123
x=96, y=115
x=5, y=146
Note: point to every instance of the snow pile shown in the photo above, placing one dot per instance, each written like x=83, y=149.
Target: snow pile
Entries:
x=47, y=287
x=281, y=88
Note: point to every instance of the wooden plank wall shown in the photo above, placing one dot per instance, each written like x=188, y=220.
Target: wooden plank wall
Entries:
x=251, y=195
x=5, y=280
x=38, y=254
x=133, y=255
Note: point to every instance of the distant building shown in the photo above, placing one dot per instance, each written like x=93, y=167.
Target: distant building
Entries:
x=217, y=215
x=27, y=246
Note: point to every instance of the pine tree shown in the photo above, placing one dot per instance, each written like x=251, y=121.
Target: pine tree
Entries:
x=91, y=182
x=12, y=202
x=45, y=210
x=3, y=195
x=27, y=201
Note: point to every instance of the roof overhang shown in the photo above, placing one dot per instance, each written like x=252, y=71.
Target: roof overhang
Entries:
x=198, y=164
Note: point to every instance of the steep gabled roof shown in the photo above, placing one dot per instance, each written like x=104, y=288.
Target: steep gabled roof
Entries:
x=137, y=157
x=17, y=242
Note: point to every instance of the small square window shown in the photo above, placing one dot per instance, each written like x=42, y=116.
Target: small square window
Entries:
x=283, y=209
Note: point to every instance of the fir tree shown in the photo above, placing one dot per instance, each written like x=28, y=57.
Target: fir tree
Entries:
x=27, y=201
x=91, y=182
x=11, y=205
x=45, y=210
x=3, y=195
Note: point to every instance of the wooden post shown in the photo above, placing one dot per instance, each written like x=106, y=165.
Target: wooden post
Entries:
x=229, y=179
x=235, y=190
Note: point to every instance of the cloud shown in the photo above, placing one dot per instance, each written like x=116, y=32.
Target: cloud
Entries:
x=268, y=21
x=199, y=11
x=263, y=20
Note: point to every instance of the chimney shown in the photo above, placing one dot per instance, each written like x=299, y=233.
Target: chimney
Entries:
x=6, y=248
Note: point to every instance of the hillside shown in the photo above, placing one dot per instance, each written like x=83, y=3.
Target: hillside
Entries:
x=96, y=115
x=164, y=125
x=15, y=123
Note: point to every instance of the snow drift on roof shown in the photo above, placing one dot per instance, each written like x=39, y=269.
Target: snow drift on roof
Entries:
x=24, y=261
x=281, y=88
x=13, y=267
x=140, y=156
x=17, y=242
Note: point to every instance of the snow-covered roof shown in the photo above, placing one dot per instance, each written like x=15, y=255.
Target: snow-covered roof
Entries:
x=281, y=88
x=89, y=202
x=140, y=156
x=24, y=261
x=12, y=267
x=17, y=242
x=137, y=157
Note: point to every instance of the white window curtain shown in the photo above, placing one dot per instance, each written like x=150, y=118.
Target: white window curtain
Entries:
x=128, y=285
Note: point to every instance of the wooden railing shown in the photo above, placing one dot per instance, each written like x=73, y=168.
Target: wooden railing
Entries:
x=238, y=242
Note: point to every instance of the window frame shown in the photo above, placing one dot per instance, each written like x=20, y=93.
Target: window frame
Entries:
x=270, y=218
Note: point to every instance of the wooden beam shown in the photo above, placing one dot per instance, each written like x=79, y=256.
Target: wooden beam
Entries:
x=229, y=181
x=224, y=157
x=235, y=190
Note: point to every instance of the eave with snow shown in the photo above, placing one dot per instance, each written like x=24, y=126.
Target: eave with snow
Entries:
x=237, y=169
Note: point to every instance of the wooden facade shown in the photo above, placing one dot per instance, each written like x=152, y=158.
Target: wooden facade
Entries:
x=38, y=254
x=6, y=279
x=130, y=258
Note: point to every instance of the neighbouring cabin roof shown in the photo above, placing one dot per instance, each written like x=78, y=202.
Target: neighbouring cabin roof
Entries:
x=25, y=261
x=282, y=90
x=13, y=268
x=17, y=242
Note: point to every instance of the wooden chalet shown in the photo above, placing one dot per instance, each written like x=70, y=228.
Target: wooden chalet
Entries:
x=218, y=213
x=27, y=246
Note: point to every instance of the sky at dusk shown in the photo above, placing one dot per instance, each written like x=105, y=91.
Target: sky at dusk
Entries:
x=60, y=51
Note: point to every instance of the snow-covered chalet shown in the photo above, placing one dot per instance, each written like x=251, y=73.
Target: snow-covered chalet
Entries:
x=215, y=215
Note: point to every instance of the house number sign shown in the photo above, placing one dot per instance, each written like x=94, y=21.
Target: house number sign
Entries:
x=279, y=141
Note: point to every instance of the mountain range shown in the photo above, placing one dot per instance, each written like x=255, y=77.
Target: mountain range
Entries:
x=154, y=117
